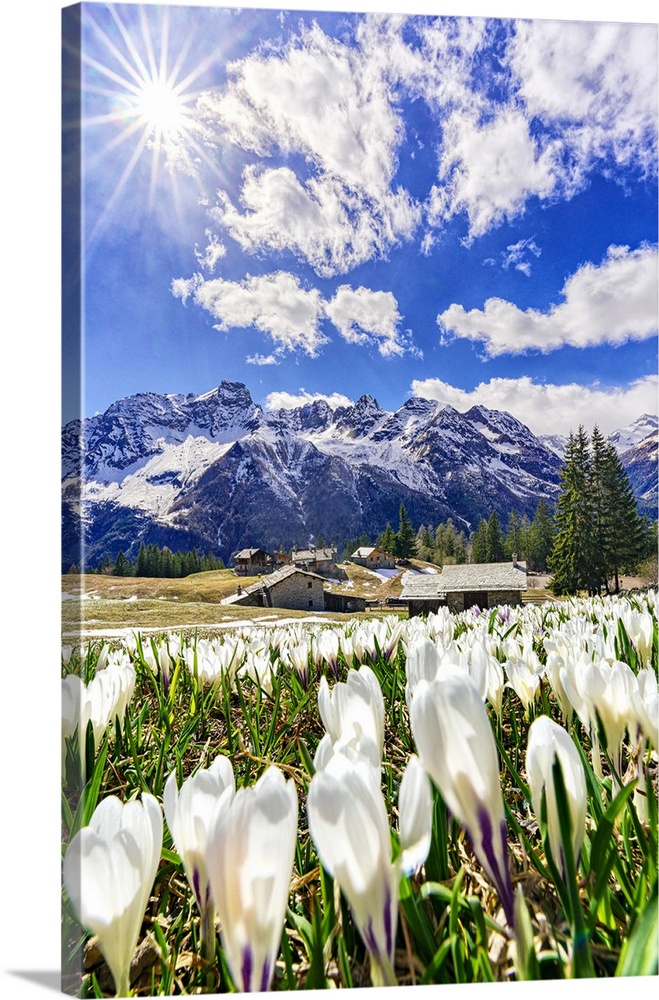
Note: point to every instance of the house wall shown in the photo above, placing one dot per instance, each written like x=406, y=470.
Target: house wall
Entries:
x=484, y=599
x=294, y=592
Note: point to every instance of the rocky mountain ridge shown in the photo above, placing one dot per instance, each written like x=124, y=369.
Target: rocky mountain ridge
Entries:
x=218, y=472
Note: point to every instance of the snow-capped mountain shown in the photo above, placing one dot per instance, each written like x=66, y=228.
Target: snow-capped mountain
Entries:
x=643, y=428
x=640, y=430
x=218, y=472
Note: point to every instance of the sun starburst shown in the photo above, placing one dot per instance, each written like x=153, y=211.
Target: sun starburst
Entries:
x=135, y=85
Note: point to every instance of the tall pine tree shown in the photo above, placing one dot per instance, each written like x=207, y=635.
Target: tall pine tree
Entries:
x=572, y=556
x=405, y=536
x=599, y=532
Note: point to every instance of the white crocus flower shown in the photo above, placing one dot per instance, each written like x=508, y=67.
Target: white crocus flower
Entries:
x=353, y=711
x=524, y=680
x=189, y=813
x=610, y=688
x=456, y=745
x=349, y=826
x=548, y=742
x=259, y=668
x=415, y=812
x=251, y=846
x=109, y=870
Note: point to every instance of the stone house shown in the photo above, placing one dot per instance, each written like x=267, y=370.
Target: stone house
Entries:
x=288, y=587
x=251, y=562
x=486, y=585
x=316, y=560
x=339, y=600
x=373, y=558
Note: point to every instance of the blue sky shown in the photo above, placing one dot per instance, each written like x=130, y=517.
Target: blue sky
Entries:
x=330, y=204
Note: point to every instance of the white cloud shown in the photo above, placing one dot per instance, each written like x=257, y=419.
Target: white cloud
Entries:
x=574, y=97
x=261, y=359
x=516, y=256
x=315, y=96
x=606, y=304
x=330, y=226
x=213, y=252
x=598, y=80
x=290, y=401
x=363, y=316
x=330, y=103
x=275, y=303
x=552, y=409
x=291, y=315
x=490, y=170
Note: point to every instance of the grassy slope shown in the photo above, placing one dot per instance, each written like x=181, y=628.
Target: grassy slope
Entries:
x=104, y=604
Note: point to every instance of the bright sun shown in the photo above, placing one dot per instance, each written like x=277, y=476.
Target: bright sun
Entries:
x=161, y=110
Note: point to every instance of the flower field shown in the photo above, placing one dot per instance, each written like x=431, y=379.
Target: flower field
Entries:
x=464, y=798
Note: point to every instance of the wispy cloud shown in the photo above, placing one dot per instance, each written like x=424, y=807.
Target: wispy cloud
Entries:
x=261, y=359
x=516, y=256
x=608, y=303
x=551, y=409
x=209, y=256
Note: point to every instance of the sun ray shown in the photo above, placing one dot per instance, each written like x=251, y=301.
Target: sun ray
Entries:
x=140, y=90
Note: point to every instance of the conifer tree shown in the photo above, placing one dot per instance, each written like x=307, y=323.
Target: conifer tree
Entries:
x=479, y=543
x=623, y=536
x=386, y=540
x=122, y=566
x=540, y=537
x=405, y=537
x=572, y=556
x=494, y=536
x=513, y=539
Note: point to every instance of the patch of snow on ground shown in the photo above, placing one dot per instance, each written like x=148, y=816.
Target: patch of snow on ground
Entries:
x=429, y=569
x=387, y=574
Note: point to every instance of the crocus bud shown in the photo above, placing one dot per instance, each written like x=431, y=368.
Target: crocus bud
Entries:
x=250, y=853
x=353, y=711
x=189, y=813
x=549, y=742
x=109, y=870
x=349, y=825
x=415, y=812
x=455, y=742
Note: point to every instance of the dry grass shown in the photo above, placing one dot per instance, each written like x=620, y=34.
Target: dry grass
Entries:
x=102, y=606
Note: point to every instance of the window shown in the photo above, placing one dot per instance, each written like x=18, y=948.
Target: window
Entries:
x=310, y=584
x=311, y=602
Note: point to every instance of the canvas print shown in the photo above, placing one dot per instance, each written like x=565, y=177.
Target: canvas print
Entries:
x=359, y=500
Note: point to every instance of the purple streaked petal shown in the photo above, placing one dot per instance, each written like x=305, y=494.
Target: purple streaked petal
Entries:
x=266, y=975
x=500, y=877
x=388, y=930
x=246, y=970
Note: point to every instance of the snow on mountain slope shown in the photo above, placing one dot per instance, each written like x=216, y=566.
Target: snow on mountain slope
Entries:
x=218, y=472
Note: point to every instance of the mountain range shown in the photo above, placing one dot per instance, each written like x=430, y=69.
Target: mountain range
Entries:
x=219, y=473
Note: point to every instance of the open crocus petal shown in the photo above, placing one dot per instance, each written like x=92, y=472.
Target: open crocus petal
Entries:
x=349, y=826
x=548, y=742
x=415, y=811
x=250, y=859
x=456, y=746
x=109, y=870
x=189, y=813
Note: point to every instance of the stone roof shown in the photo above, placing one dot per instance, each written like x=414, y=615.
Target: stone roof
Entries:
x=248, y=553
x=469, y=576
x=269, y=581
x=364, y=552
x=313, y=555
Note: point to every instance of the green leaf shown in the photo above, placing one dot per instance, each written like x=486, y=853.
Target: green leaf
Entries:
x=639, y=954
